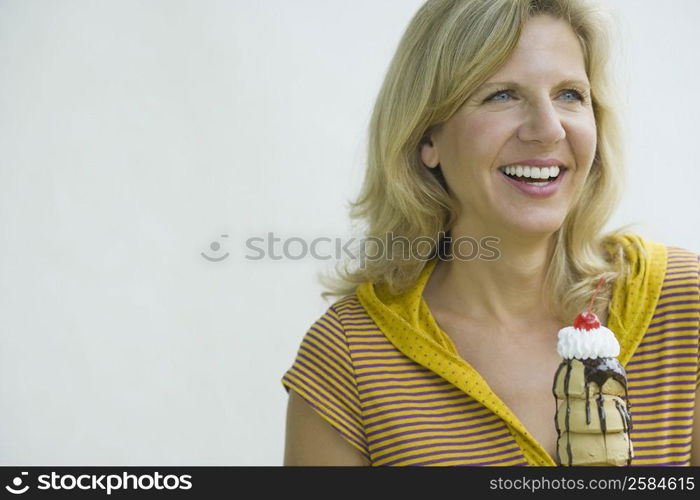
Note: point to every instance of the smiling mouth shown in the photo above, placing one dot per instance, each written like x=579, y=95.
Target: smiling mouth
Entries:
x=538, y=176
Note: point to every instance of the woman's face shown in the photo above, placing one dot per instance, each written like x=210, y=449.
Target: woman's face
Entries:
x=542, y=111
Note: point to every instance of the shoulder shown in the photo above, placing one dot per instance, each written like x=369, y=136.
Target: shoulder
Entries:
x=348, y=306
x=342, y=321
x=678, y=254
x=348, y=312
x=682, y=272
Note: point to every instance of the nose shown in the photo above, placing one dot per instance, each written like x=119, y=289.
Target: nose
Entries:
x=542, y=124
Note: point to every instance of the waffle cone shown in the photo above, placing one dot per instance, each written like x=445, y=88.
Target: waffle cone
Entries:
x=584, y=438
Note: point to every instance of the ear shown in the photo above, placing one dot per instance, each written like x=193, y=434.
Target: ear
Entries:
x=429, y=153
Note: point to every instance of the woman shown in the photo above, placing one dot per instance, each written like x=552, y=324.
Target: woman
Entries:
x=496, y=123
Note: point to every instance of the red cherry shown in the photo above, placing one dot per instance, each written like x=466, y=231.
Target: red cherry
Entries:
x=587, y=321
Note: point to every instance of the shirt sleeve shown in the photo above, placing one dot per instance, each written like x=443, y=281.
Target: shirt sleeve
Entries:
x=323, y=375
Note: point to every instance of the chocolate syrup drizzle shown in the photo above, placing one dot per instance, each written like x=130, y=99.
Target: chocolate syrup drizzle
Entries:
x=597, y=370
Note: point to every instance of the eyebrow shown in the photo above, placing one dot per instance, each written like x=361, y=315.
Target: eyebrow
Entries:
x=573, y=82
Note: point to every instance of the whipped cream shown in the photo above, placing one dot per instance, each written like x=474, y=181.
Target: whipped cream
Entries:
x=585, y=344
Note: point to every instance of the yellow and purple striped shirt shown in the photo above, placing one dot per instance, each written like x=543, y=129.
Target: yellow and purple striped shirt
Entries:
x=380, y=370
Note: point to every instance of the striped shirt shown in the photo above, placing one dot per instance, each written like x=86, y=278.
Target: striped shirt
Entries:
x=391, y=383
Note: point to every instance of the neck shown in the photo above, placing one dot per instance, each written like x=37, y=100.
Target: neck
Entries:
x=503, y=291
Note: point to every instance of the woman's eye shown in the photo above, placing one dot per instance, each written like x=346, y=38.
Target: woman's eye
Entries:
x=575, y=93
x=499, y=93
x=572, y=92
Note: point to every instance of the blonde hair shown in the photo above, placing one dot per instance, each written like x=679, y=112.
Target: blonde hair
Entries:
x=448, y=50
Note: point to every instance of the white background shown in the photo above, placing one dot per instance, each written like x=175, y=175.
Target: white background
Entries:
x=133, y=134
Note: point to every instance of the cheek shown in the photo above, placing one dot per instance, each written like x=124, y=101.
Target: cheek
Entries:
x=583, y=139
x=481, y=138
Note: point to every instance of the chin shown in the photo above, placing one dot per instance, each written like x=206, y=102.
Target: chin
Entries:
x=537, y=225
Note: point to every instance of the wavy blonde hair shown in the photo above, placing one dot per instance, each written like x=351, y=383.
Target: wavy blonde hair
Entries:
x=448, y=50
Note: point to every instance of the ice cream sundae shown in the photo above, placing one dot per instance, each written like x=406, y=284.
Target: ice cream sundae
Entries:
x=590, y=386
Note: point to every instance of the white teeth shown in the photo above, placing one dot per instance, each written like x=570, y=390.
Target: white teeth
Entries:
x=532, y=172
